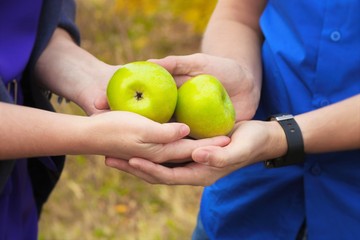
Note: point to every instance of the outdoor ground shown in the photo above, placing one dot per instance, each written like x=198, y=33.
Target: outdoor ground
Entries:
x=92, y=201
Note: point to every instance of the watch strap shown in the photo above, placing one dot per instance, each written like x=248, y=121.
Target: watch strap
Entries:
x=295, y=152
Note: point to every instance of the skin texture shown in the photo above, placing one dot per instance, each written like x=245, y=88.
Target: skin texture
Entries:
x=75, y=74
x=231, y=52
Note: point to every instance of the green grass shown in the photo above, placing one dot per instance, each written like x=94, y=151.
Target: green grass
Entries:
x=92, y=201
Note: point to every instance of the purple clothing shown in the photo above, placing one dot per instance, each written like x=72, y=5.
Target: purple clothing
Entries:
x=18, y=28
x=26, y=185
x=18, y=216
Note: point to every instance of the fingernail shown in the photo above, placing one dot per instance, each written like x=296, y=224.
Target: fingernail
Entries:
x=184, y=130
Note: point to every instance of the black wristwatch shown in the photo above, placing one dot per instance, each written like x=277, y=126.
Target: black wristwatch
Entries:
x=295, y=152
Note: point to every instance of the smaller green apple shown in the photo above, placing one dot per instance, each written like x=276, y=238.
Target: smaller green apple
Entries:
x=205, y=106
x=144, y=88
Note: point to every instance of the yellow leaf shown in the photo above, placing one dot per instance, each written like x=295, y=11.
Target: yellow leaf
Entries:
x=121, y=208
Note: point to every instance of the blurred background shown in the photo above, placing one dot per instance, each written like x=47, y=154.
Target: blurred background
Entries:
x=92, y=201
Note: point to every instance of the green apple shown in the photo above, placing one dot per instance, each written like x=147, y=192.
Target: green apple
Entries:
x=144, y=88
x=205, y=106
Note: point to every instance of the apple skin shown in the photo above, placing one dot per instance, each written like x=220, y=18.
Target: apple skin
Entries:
x=205, y=106
x=144, y=88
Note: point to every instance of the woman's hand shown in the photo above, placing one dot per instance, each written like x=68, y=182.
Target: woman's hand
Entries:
x=126, y=135
x=73, y=73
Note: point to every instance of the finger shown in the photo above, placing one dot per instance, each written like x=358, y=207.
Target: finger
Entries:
x=124, y=166
x=101, y=103
x=181, y=79
x=170, y=64
x=216, y=156
x=166, y=133
x=117, y=163
x=190, y=65
x=190, y=174
x=182, y=67
x=181, y=150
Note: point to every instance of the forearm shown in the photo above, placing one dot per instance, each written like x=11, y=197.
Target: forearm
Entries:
x=233, y=32
x=329, y=129
x=69, y=71
x=332, y=128
x=29, y=132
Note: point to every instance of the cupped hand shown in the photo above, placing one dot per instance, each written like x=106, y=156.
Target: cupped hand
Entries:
x=92, y=97
x=126, y=135
x=241, y=86
x=251, y=142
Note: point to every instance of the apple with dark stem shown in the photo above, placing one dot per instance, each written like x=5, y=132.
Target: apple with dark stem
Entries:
x=144, y=88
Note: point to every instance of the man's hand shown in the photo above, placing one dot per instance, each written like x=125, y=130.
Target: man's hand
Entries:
x=237, y=80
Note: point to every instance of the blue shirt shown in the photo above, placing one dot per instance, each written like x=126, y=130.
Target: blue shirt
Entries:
x=18, y=27
x=311, y=58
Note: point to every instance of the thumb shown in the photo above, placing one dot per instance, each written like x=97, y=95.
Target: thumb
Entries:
x=167, y=132
x=101, y=103
x=190, y=65
x=214, y=156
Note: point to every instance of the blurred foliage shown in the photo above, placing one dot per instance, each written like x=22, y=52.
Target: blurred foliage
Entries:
x=119, y=30
x=92, y=201
x=194, y=13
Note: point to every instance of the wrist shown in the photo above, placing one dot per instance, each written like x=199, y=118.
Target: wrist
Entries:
x=74, y=137
x=91, y=94
x=269, y=141
x=276, y=141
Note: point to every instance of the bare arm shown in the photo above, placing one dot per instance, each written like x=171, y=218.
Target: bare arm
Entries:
x=231, y=52
x=29, y=132
x=69, y=71
x=329, y=129
x=332, y=128
x=72, y=72
x=233, y=32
